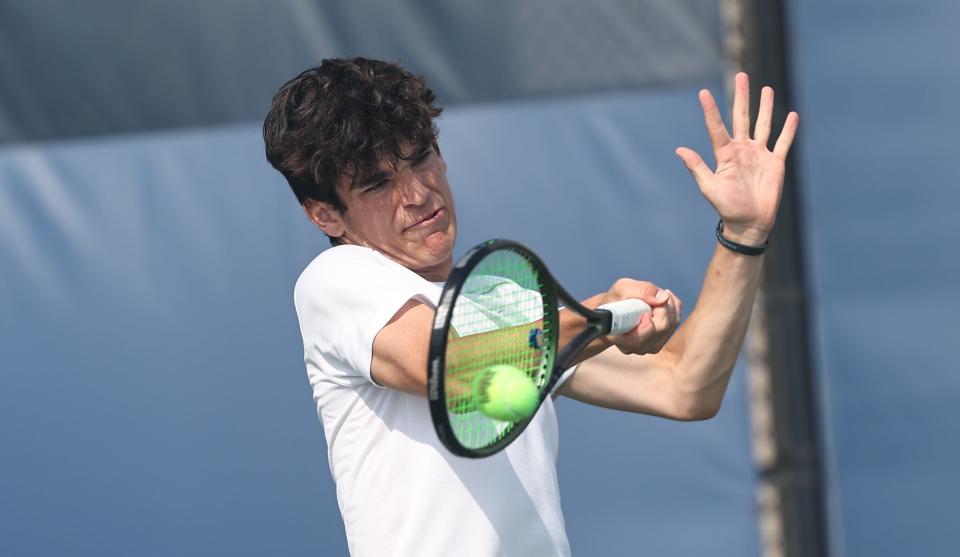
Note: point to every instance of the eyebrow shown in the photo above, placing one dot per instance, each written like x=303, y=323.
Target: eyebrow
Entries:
x=376, y=176
x=423, y=154
x=370, y=180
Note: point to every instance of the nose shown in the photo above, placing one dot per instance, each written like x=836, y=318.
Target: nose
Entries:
x=415, y=191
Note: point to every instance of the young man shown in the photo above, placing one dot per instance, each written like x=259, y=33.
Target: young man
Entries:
x=357, y=143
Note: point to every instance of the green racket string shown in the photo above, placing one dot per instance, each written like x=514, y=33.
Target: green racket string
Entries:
x=498, y=318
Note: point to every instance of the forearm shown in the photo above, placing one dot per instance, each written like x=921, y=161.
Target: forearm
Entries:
x=469, y=355
x=703, y=351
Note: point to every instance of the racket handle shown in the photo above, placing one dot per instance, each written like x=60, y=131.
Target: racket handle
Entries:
x=626, y=314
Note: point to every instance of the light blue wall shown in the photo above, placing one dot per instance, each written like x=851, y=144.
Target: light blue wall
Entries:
x=155, y=400
x=876, y=83
x=76, y=69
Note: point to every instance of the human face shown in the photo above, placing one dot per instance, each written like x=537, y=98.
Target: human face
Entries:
x=405, y=213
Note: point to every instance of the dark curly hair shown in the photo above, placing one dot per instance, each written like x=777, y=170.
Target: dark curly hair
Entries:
x=339, y=119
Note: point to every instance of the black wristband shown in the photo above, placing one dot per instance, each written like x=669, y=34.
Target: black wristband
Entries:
x=739, y=248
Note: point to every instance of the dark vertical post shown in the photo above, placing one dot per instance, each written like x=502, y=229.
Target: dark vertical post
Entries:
x=787, y=448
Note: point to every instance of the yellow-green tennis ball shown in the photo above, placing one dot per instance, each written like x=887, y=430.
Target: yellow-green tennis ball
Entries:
x=505, y=393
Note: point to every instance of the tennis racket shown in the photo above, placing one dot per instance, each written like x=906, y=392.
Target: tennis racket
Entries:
x=499, y=307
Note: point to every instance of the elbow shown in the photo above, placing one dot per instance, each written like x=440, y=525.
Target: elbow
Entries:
x=696, y=401
x=696, y=410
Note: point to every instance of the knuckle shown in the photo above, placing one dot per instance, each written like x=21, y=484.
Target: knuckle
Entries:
x=622, y=284
x=632, y=288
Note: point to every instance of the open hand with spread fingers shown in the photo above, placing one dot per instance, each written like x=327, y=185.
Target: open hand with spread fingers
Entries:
x=746, y=186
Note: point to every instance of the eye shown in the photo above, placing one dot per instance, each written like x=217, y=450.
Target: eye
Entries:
x=378, y=185
x=422, y=157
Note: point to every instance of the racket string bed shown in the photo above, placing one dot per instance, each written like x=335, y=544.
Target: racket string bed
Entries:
x=493, y=352
x=493, y=349
x=501, y=302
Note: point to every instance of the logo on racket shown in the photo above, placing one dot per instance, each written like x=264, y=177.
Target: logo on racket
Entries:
x=535, y=338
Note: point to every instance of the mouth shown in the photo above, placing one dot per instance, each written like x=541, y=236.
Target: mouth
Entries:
x=428, y=220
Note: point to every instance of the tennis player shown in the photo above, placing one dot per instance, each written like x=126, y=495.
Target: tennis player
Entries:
x=356, y=141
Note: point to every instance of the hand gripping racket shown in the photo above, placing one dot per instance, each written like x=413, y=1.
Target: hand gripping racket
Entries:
x=498, y=309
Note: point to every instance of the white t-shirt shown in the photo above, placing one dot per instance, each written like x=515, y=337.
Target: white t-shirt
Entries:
x=400, y=491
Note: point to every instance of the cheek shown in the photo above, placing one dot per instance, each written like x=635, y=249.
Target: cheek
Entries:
x=389, y=218
x=383, y=210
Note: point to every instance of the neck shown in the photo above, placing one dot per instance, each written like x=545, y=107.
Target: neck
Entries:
x=434, y=273
x=437, y=273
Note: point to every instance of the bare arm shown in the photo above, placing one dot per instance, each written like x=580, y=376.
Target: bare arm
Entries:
x=688, y=378
x=401, y=348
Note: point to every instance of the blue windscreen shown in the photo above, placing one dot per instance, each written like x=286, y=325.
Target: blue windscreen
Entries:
x=877, y=84
x=155, y=400
x=75, y=69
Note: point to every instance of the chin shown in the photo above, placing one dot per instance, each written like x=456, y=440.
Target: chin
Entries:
x=438, y=248
x=437, y=254
x=440, y=241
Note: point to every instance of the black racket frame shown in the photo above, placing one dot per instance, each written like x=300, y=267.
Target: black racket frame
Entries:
x=598, y=324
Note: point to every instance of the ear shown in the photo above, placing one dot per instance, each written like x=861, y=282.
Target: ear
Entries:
x=325, y=216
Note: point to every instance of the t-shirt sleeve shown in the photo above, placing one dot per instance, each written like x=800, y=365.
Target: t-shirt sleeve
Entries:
x=343, y=300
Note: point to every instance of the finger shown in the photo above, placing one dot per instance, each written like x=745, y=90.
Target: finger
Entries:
x=639, y=339
x=765, y=115
x=659, y=300
x=676, y=305
x=643, y=328
x=668, y=326
x=646, y=322
x=786, y=135
x=694, y=162
x=625, y=288
x=663, y=325
x=665, y=319
x=716, y=130
x=661, y=318
x=653, y=299
x=741, y=106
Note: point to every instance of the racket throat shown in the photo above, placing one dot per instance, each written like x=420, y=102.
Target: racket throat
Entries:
x=567, y=356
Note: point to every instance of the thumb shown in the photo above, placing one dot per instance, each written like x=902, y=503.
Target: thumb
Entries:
x=655, y=297
x=694, y=162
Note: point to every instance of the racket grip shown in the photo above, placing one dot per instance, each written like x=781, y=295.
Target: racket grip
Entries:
x=626, y=314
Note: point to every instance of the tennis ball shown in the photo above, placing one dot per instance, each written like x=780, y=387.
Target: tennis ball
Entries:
x=505, y=393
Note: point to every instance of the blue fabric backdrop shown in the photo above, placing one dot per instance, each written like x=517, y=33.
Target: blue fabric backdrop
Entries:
x=877, y=84
x=114, y=66
x=155, y=400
